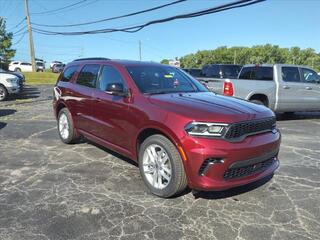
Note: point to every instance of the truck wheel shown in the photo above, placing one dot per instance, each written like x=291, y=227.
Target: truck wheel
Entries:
x=161, y=167
x=66, y=129
x=255, y=101
x=3, y=93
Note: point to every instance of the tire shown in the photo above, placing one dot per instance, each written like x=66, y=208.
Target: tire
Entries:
x=151, y=170
x=17, y=70
x=258, y=102
x=3, y=93
x=66, y=130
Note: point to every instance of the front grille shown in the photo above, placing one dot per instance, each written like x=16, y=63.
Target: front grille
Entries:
x=248, y=170
x=242, y=129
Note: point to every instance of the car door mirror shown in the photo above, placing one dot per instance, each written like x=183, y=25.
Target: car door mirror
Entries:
x=116, y=89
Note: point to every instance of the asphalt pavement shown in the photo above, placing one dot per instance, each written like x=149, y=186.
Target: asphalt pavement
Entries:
x=50, y=190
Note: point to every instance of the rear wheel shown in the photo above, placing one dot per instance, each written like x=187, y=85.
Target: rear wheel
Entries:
x=66, y=129
x=17, y=70
x=161, y=166
x=3, y=93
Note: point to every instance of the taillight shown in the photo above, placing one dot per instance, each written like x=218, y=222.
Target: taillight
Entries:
x=228, y=88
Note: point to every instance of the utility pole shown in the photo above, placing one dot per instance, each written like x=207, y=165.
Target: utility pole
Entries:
x=31, y=46
x=140, y=56
x=235, y=57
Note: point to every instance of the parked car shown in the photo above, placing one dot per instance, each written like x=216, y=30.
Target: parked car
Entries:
x=10, y=83
x=281, y=87
x=58, y=67
x=53, y=63
x=40, y=66
x=18, y=66
x=18, y=74
x=179, y=132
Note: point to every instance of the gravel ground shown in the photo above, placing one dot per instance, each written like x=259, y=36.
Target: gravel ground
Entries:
x=49, y=190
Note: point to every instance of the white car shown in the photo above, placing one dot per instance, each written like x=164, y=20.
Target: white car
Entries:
x=9, y=84
x=18, y=66
x=53, y=63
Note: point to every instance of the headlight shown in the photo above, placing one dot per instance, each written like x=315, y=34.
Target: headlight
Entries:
x=12, y=80
x=206, y=129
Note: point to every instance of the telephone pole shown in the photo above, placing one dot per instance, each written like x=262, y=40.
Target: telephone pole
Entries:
x=31, y=46
x=140, y=56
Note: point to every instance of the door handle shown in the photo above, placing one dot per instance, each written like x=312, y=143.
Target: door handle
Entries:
x=308, y=88
x=286, y=87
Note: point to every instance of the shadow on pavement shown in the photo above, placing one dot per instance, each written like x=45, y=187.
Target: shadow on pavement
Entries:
x=5, y=112
x=298, y=116
x=234, y=191
x=28, y=93
x=2, y=125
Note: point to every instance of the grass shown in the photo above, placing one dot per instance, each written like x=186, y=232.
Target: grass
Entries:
x=36, y=78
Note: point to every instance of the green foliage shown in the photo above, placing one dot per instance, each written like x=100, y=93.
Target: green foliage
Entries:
x=257, y=54
x=165, y=61
x=6, y=53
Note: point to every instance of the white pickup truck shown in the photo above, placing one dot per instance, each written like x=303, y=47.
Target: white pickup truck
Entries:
x=281, y=87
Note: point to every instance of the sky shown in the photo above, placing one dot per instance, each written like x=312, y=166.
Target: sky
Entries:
x=285, y=23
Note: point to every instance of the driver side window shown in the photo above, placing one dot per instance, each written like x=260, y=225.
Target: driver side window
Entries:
x=109, y=75
x=309, y=76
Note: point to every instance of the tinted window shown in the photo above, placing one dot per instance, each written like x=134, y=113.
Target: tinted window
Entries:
x=290, y=74
x=26, y=64
x=309, y=75
x=257, y=73
x=163, y=79
x=68, y=73
x=246, y=73
x=212, y=71
x=195, y=72
x=109, y=75
x=229, y=71
x=88, y=75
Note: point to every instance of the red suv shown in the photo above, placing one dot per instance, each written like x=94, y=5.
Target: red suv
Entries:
x=179, y=133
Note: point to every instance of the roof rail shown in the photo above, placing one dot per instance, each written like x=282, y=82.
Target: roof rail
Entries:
x=93, y=58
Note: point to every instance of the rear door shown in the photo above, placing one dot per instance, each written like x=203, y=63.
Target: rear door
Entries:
x=110, y=113
x=310, y=81
x=82, y=92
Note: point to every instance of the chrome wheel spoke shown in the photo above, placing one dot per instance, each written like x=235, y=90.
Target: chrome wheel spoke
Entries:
x=156, y=166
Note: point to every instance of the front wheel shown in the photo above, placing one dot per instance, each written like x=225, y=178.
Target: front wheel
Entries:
x=161, y=167
x=3, y=93
x=66, y=129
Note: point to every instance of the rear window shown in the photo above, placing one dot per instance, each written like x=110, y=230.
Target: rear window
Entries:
x=88, y=75
x=290, y=74
x=229, y=71
x=68, y=73
x=257, y=73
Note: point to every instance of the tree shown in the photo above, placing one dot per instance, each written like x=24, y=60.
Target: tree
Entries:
x=6, y=53
x=164, y=61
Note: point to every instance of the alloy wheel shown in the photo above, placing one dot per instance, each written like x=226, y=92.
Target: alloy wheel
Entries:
x=64, y=126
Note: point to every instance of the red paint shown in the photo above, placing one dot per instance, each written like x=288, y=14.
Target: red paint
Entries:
x=116, y=122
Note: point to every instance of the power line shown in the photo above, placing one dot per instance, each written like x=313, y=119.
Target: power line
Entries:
x=18, y=24
x=20, y=30
x=59, y=9
x=22, y=36
x=133, y=29
x=112, y=18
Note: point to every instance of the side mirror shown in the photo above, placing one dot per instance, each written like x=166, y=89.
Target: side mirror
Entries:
x=116, y=89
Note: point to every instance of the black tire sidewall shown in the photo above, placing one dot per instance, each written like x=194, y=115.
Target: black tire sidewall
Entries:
x=258, y=102
x=169, y=190
x=5, y=93
x=70, y=138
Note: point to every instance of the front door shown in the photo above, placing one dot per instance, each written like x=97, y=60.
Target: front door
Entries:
x=311, y=87
x=110, y=112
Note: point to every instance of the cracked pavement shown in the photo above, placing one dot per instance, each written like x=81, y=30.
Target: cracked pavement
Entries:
x=49, y=190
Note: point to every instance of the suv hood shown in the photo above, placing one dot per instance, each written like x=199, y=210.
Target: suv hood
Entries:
x=207, y=106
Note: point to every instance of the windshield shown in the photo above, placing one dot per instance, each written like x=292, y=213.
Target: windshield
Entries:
x=40, y=64
x=163, y=79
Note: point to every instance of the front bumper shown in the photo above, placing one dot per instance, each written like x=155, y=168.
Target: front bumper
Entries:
x=215, y=164
x=14, y=89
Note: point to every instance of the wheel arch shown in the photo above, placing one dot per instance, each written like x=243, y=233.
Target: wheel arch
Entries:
x=261, y=97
